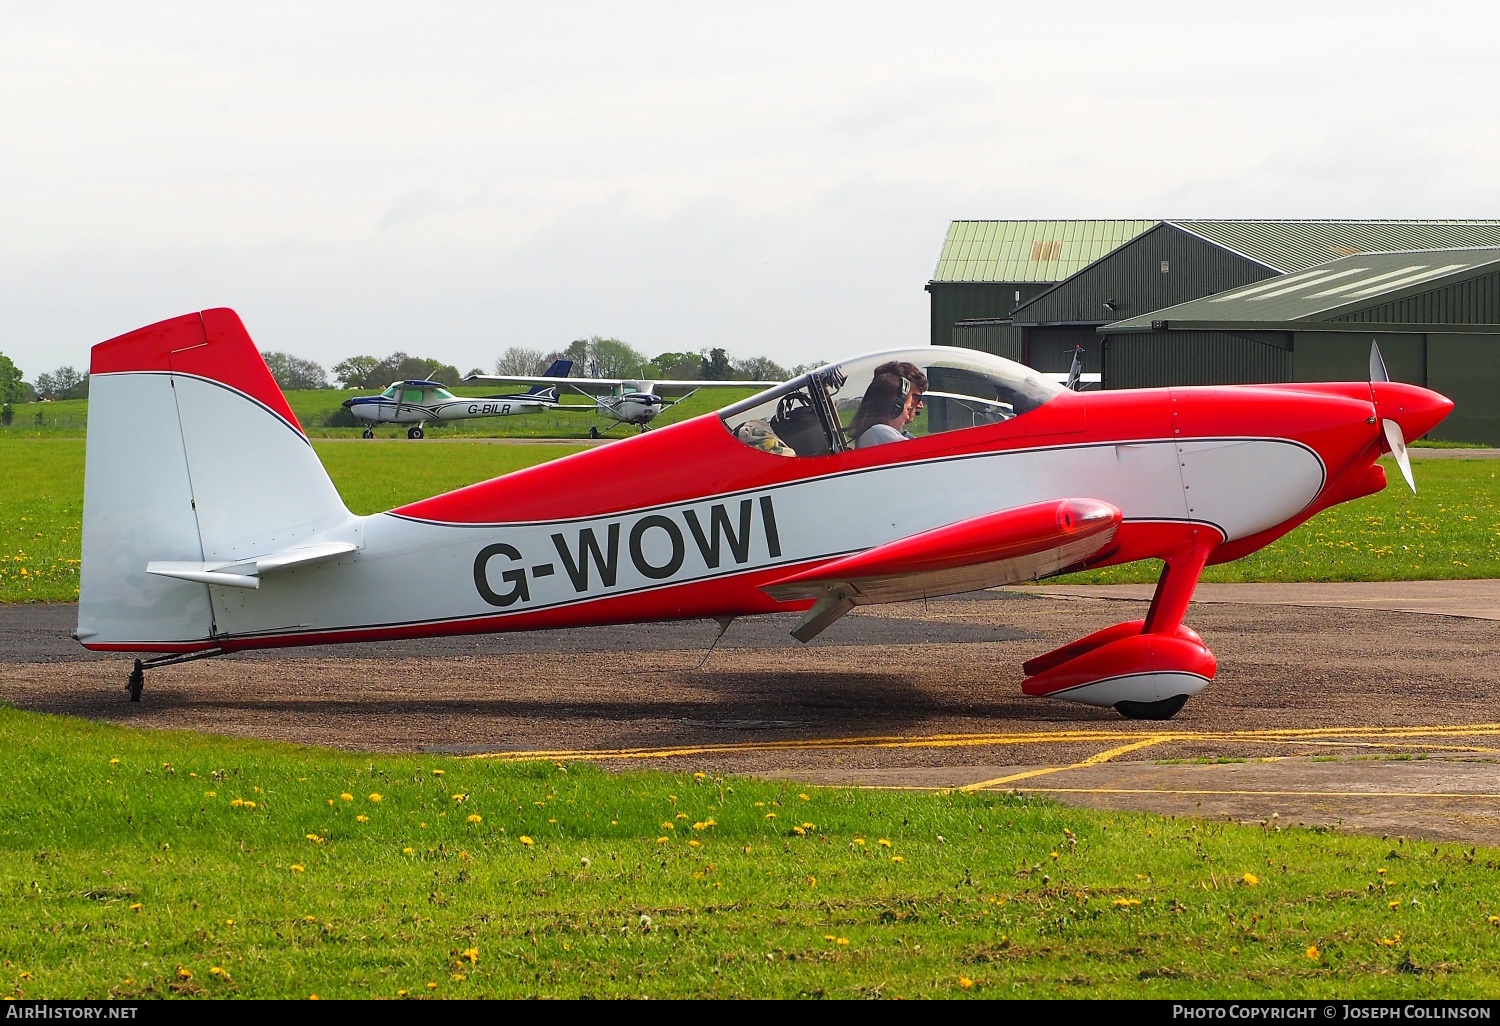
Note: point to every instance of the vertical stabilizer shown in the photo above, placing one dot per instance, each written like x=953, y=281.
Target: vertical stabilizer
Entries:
x=194, y=456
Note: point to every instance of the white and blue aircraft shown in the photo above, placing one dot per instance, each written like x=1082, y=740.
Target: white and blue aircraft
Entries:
x=418, y=402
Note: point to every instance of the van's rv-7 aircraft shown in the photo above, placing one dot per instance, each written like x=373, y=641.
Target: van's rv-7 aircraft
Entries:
x=625, y=400
x=210, y=526
x=419, y=402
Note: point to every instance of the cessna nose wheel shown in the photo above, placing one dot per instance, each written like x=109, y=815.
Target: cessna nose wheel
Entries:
x=368, y=433
x=414, y=433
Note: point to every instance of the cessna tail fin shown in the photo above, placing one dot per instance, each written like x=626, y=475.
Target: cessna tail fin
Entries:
x=559, y=369
x=196, y=464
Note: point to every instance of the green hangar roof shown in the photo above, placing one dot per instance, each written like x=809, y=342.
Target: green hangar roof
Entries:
x=1298, y=245
x=1421, y=286
x=1029, y=251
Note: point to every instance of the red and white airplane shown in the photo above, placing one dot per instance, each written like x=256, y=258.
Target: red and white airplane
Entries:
x=210, y=526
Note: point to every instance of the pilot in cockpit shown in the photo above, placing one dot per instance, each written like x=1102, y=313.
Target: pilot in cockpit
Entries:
x=889, y=404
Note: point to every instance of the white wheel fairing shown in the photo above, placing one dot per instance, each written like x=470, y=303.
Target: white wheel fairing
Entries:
x=1134, y=687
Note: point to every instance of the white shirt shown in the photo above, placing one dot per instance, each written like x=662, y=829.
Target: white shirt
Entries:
x=878, y=434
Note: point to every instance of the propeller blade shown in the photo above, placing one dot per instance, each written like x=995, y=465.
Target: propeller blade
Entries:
x=1397, y=442
x=1076, y=371
x=1377, y=365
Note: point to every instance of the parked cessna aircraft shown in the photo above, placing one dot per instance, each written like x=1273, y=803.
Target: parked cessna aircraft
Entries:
x=417, y=402
x=627, y=401
x=210, y=526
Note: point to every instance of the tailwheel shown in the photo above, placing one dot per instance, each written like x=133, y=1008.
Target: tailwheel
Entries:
x=414, y=433
x=368, y=433
x=136, y=682
x=1162, y=710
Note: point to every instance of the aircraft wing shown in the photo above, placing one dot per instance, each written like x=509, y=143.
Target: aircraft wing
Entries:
x=682, y=389
x=592, y=386
x=607, y=386
x=986, y=551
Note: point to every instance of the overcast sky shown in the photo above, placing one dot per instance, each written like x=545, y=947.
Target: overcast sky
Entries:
x=451, y=179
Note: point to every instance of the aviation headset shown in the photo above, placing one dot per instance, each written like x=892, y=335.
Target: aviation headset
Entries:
x=897, y=405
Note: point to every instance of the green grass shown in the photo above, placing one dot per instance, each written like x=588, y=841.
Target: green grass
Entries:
x=1451, y=530
x=138, y=877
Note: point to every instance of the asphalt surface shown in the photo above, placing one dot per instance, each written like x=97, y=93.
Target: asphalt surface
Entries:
x=1368, y=718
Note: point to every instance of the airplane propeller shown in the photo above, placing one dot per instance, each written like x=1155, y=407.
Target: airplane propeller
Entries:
x=1075, y=372
x=1393, y=434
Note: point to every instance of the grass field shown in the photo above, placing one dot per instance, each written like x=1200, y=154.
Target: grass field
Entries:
x=151, y=864
x=1450, y=530
x=69, y=418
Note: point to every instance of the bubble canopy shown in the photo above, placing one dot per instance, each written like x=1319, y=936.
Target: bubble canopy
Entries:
x=818, y=413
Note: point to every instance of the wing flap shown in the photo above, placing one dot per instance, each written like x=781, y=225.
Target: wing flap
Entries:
x=1012, y=545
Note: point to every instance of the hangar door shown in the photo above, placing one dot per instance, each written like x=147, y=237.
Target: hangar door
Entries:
x=1345, y=356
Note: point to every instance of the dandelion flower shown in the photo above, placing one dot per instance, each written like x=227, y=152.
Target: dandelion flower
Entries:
x=330, y=803
x=1495, y=920
x=1312, y=952
x=809, y=826
x=236, y=803
x=402, y=992
x=472, y=954
x=408, y=851
x=770, y=815
x=136, y=907
x=1380, y=871
x=829, y=937
x=475, y=817
x=1053, y=854
x=700, y=776
x=526, y=840
x=812, y=881
x=693, y=844
x=1394, y=905
x=210, y=794
x=432, y=986
x=965, y=983
x=1250, y=879
x=217, y=970
x=309, y=919
x=804, y=797
x=459, y=977
x=459, y=797
x=249, y=805
x=661, y=840
x=842, y=942
x=315, y=838
x=346, y=797
x=1125, y=902
x=186, y=974
x=799, y=831
x=436, y=773
x=362, y=818
x=549, y=821
x=114, y=762
x=374, y=797
x=860, y=841
x=229, y=922
x=296, y=868
x=897, y=858
x=884, y=843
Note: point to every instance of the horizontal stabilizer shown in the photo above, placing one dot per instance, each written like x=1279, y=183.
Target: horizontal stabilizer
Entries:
x=1019, y=544
x=246, y=573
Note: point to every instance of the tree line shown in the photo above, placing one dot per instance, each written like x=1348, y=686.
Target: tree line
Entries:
x=591, y=357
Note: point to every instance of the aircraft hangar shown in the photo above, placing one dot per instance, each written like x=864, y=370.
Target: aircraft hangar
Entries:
x=1160, y=307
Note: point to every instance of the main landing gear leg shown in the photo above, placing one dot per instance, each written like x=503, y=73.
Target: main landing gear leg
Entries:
x=1179, y=578
x=137, y=679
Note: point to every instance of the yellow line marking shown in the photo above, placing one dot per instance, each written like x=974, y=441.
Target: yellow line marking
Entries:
x=1093, y=760
x=1276, y=736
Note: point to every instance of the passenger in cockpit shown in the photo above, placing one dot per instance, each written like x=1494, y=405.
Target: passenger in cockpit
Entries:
x=889, y=404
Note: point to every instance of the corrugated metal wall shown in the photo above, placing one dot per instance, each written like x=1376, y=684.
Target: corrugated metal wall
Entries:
x=953, y=303
x=1160, y=359
x=1051, y=349
x=1476, y=301
x=1000, y=338
x=1133, y=278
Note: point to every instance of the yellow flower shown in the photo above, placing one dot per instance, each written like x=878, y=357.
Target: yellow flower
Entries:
x=186, y=974
x=136, y=907
x=965, y=983
x=829, y=937
x=210, y=794
x=1125, y=902
x=683, y=815
x=229, y=922
x=474, y=817
x=799, y=831
x=408, y=851
x=309, y=919
x=362, y=818
x=842, y=942
x=474, y=820
x=217, y=970
x=461, y=797
x=770, y=815
x=1394, y=905
x=315, y=838
x=374, y=797
x=432, y=986
x=114, y=762
x=330, y=803
x=1053, y=854
x=296, y=868
x=1312, y=952
x=526, y=840
x=236, y=803
x=1250, y=879
x=472, y=954
x=860, y=841
x=249, y=805
x=1380, y=871
x=812, y=881
x=884, y=843
x=436, y=773
x=661, y=840
x=401, y=993
x=459, y=977
x=897, y=858
x=692, y=844
x=809, y=826
x=346, y=797
x=700, y=776
x=668, y=826
x=804, y=797
x=1495, y=920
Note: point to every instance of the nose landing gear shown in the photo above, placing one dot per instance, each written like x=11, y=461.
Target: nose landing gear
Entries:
x=368, y=433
